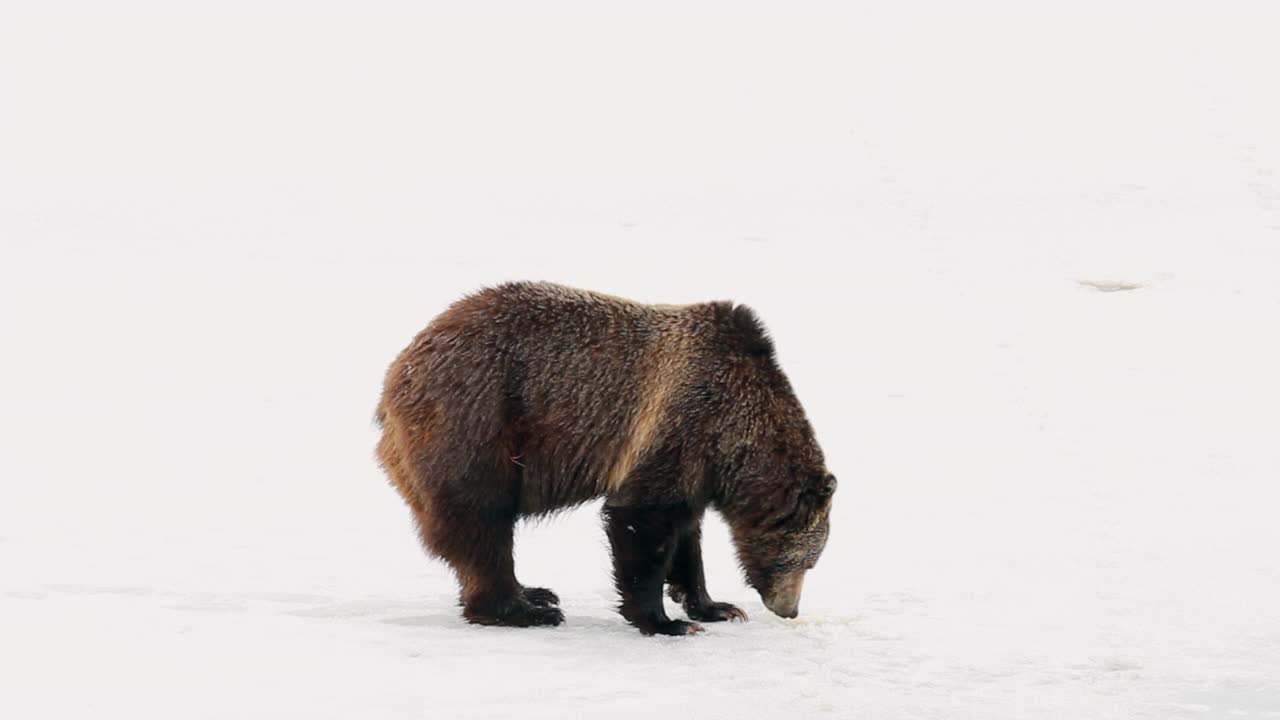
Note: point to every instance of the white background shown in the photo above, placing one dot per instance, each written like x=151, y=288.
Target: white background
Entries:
x=218, y=226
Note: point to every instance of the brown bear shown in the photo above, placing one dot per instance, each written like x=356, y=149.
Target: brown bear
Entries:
x=528, y=398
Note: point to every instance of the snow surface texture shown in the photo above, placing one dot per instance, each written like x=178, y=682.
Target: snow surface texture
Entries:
x=1022, y=265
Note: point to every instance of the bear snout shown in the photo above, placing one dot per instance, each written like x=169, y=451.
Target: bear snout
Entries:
x=784, y=600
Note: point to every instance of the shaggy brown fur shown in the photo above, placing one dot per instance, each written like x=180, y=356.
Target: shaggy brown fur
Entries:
x=528, y=398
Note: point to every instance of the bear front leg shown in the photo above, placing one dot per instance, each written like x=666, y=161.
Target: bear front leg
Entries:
x=688, y=584
x=643, y=542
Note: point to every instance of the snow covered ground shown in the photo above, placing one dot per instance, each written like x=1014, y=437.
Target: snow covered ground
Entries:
x=218, y=227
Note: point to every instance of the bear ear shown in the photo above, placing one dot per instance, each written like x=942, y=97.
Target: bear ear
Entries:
x=746, y=331
x=827, y=485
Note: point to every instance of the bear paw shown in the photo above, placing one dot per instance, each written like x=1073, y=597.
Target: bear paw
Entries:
x=519, y=613
x=715, y=612
x=539, y=596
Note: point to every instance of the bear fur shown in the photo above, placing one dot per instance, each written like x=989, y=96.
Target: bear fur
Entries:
x=527, y=398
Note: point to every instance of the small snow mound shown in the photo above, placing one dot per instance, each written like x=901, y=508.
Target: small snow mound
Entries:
x=1110, y=285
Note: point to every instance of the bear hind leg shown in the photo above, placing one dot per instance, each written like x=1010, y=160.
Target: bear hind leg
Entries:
x=479, y=549
x=490, y=593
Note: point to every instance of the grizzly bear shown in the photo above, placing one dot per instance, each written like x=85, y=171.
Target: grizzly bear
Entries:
x=528, y=398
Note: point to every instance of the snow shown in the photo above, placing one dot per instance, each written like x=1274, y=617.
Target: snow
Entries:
x=217, y=227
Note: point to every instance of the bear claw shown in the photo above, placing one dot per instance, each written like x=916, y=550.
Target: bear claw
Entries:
x=546, y=616
x=716, y=612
